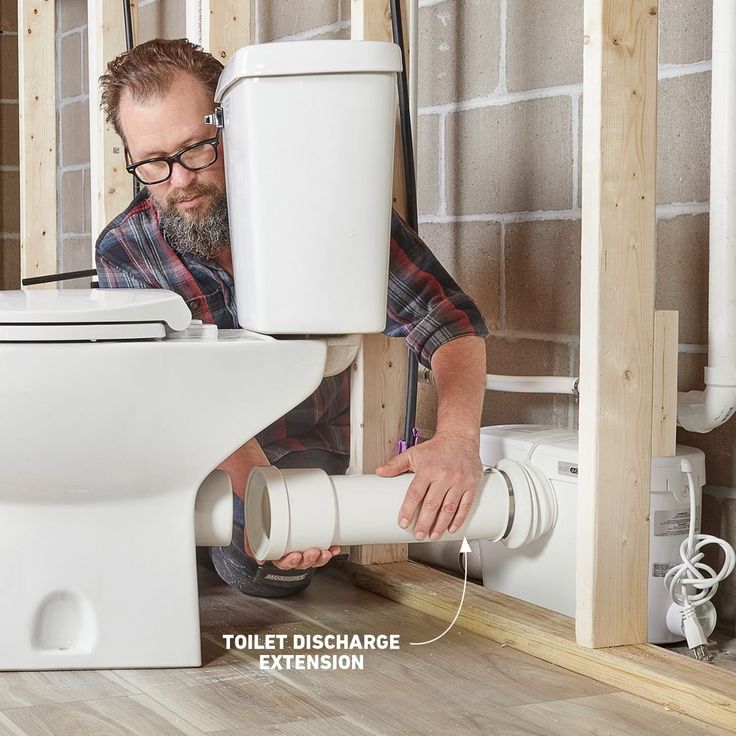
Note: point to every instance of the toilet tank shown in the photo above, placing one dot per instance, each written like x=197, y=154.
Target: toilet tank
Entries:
x=308, y=134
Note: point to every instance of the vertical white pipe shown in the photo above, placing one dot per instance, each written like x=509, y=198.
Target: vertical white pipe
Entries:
x=193, y=21
x=722, y=298
x=702, y=411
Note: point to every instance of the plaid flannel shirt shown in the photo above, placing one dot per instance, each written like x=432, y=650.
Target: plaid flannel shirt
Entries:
x=425, y=306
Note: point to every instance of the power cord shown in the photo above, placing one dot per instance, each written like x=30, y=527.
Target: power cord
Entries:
x=692, y=583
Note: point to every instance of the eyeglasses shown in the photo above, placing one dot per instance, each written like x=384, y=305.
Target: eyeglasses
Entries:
x=192, y=158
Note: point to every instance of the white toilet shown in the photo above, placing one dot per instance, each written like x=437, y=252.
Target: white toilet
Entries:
x=115, y=409
x=104, y=443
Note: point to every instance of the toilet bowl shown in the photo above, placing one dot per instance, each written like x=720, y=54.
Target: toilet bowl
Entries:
x=116, y=408
x=114, y=413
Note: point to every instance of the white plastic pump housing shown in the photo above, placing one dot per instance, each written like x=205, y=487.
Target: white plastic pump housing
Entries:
x=308, y=133
x=543, y=572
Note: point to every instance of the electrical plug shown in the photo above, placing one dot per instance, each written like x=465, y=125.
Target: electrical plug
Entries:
x=696, y=624
x=697, y=641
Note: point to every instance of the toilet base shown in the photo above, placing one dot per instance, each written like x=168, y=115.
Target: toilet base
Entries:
x=109, y=584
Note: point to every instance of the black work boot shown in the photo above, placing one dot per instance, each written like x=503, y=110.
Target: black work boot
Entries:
x=241, y=571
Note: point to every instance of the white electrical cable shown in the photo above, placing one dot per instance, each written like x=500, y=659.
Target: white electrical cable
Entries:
x=692, y=583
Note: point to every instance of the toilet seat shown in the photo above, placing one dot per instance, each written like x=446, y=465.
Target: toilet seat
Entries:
x=82, y=332
x=84, y=315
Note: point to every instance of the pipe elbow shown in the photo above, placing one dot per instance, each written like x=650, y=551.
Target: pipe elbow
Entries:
x=703, y=411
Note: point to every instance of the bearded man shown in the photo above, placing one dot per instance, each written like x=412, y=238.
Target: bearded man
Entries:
x=174, y=235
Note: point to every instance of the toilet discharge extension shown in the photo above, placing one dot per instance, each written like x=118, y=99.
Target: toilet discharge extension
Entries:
x=293, y=510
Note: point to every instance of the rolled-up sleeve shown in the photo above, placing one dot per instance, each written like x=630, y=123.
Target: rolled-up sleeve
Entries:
x=425, y=304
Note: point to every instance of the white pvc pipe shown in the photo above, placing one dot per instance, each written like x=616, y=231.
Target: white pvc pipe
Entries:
x=213, y=511
x=702, y=411
x=294, y=510
x=532, y=384
x=521, y=384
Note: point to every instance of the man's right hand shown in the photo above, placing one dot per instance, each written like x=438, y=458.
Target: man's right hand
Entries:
x=312, y=557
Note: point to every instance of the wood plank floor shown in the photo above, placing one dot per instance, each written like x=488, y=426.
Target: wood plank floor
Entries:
x=462, y=684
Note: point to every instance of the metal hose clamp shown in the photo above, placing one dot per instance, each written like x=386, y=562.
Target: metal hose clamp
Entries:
x=512, y=500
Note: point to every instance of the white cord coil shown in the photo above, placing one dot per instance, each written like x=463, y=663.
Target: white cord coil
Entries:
x=692, y=583
x=692, y=571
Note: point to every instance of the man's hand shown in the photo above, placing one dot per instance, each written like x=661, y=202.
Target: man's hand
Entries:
x=312, y=557
x=447, y=471
x=237, y=466
x=309, y=558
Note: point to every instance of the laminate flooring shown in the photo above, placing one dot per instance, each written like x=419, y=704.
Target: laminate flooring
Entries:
x=459, y=685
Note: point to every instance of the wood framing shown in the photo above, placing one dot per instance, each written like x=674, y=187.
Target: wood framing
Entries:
x=111, y=185
x=37, y=111
x=378, y=384
x=677, y=682
x=617, y=315
x=664, y=390
x=219, y=26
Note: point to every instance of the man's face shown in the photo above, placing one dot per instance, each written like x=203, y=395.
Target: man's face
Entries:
x=191, y=204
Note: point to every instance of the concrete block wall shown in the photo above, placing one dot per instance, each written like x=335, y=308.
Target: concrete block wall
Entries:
x=289, y=20
x=499, y=146
x=72, y=152
x=500, y=83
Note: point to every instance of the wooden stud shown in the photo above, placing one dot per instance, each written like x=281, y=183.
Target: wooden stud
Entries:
x=378, y=385
x=377, y=391
x=370, y=20
x=677, y=682
x=111, y=185
x=617, y=315
x=220, y=27
x=664, y=398
x=37, y=111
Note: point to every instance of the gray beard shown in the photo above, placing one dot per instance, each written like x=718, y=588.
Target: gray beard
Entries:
x=202, y=236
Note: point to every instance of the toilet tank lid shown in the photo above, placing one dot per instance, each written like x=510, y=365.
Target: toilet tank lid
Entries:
x=298, y=58
x=86, y=306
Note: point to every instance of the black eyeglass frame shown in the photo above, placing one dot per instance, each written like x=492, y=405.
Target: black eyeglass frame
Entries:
x=130, y=167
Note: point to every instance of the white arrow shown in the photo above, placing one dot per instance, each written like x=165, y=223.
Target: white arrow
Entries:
x=464, y=549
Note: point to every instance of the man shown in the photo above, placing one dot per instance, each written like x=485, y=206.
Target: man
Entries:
x=174, y=235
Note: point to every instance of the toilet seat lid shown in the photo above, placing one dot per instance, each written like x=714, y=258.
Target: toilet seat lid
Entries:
x=97, y=311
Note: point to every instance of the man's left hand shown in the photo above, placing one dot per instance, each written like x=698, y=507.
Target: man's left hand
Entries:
x=447, y=471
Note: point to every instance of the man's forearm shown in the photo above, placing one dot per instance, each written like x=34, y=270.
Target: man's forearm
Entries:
x=459, y=370
x=239, y=464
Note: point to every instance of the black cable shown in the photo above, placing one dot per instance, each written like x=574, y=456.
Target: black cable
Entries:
x=405, y=121
x=411, y=205
x=128, y=19
x=31, y=280
x=129, y=43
